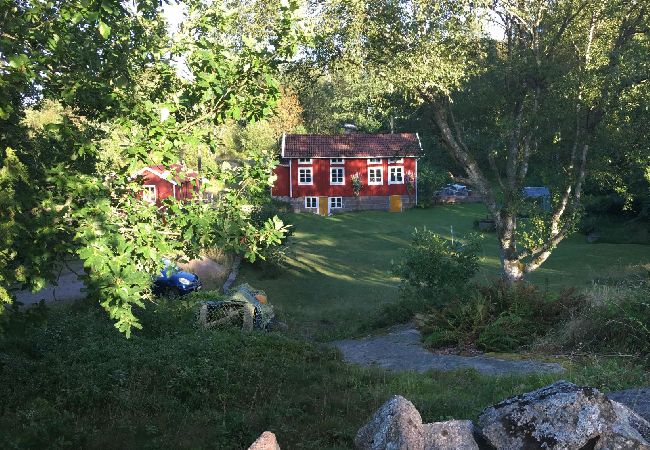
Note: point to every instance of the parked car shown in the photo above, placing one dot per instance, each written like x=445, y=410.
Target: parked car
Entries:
x=174, y=281
x=455, y=190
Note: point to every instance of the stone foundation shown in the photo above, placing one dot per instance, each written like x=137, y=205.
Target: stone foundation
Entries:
x=361, y=203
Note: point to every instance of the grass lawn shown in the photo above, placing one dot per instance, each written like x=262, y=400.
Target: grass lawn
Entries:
x=340, y=266
x=71, y=380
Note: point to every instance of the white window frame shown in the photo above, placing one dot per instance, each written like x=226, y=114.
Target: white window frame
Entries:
x=395, y=160
x=374, y=161
x=332, y=201
x=337, y=183
x=304, y=160
x=306, y=170
x=381, y=176
x=149, y=189
x=393, y=169
x=337, y=161
x=314, y=199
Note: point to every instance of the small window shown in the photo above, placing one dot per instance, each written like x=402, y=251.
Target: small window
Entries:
x=305, y=175
x=374, y=160
x=375, y=175
x=395, y=160
x=336, y=202
x=337, y=161
x=311, y=202
x=337, y=175
x=149, y=193
x=396, y=175
x=304, y=160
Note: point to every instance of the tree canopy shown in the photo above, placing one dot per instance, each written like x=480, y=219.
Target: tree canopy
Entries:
x=131, y=95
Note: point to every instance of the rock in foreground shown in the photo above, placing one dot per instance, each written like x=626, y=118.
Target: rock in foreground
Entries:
x=266, y=441
x=453, y=434
x=397, y=425
x=563, y=416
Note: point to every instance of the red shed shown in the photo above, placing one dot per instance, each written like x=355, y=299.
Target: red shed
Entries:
x=323, y=173
x=160, y=182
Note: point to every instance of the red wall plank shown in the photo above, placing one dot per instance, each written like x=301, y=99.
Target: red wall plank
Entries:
x=321, y=179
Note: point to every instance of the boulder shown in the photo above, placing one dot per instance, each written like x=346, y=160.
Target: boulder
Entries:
x=452, y=434
x=397, y=425
x=563, y=416
x=638, y=400
x=266, y=441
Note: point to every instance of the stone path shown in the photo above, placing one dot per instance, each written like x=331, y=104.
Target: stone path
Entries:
x=402, y=350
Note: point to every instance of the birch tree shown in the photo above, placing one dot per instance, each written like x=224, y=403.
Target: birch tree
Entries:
x=558, y=68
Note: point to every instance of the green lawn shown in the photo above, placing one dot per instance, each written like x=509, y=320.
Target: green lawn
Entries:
x=339, y=268
x=71, y=380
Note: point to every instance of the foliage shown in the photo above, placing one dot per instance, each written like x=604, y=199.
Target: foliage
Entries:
x=357, y=184
x=615, y=321
x=430, y=180
x=536, y=97
x=140, y=108
x=498, y=317
x=433, y=266
x=70, y=381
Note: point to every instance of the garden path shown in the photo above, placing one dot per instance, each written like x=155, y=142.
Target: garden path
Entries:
x=402, y=350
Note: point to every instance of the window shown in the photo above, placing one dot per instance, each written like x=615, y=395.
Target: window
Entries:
x=375, y=175
x=149, y=193
x=305, y=175
x=337, y=175
x=395, y=160
x=396, y=175
x=336, y=202
x=374, y=160
x=304, y=160
x=337, y=161
x=311, y=202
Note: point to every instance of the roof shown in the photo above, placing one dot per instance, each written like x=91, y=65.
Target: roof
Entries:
x=541, y=191
x=174, y=173
x=350, y=145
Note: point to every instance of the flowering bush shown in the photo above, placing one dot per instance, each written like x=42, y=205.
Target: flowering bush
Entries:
x=410, y=182
x=357, y=184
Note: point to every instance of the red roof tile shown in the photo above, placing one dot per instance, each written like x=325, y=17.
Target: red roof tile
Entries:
x=351, y=145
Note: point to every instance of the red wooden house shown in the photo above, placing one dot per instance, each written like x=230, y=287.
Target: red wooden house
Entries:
x=317, y=173
x=160, y=182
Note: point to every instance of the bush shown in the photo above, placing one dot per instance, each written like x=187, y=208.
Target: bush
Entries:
x=433, y=266
x=498, y=317
x=430, y=180
x=616, y=321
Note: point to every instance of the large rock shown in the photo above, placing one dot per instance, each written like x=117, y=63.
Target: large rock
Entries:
x=266, y=441
x=397, y=425
x=453, y=434
x=638, y=400
x=563, y=416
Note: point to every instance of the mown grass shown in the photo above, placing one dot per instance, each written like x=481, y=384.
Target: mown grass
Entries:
x=339, y=270
x=70, y=380
x=73, y=381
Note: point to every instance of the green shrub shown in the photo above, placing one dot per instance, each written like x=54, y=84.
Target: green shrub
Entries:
x=498, y=317
x=616, y=321
x=430, y=180
x=433, y=266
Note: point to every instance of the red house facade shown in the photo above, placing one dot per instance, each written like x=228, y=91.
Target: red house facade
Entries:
x=322, y=174
x=160, y=182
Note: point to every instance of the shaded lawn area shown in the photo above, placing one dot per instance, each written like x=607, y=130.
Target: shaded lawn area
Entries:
x=73, y=382
x=339, y=270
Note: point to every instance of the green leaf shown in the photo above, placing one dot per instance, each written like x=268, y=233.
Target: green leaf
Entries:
x=18, y=61
x=104, y=30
